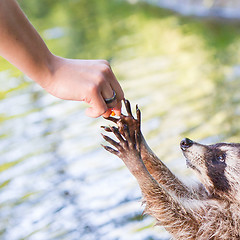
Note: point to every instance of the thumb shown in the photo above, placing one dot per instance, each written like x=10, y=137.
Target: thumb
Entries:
x=97, y=109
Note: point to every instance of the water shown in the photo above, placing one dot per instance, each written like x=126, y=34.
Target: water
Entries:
x=56, y=180
x=202, y=8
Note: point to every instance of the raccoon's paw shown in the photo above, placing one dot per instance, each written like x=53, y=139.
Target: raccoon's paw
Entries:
x=128, y=148
x=129, y=120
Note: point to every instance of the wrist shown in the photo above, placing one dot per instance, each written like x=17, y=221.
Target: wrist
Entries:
x=45, y=73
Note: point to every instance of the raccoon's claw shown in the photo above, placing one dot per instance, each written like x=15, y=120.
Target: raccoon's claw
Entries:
x=128, y=107
x=111, y=141
x=138, y=112
x=128, y=120
x=109, y=149
x=128, y=133
x=126, y=145
x=113, y=130
x=112, y=119
x=107, y=129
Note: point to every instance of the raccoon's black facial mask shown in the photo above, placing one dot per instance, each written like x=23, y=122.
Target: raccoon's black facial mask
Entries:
x=209, y=161
x=216, y=165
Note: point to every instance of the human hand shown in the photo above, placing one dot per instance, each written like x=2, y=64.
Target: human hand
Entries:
x=90, y=81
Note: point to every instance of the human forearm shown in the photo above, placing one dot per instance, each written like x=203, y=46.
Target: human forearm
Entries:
x=91, y=81
x=21, y=45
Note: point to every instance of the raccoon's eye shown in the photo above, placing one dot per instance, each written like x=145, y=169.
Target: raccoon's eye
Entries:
x=221, y=158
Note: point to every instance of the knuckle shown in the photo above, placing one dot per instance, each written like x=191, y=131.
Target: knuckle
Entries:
x=93, y=89
x=99, y=78
x=104, y=67
x=104, y=62
x=105, y=70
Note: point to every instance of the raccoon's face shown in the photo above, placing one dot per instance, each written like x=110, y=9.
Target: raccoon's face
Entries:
x=217, y=166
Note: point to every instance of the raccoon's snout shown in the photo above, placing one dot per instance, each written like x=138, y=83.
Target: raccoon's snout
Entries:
x=186, y=143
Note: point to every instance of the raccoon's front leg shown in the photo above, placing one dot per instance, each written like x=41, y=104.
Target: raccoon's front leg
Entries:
x=155, y=166
x=159, y=203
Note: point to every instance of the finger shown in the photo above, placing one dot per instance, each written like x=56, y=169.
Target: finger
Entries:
x=117, y=134
x=110, y=77
x=112, y=119
x=98, y=105
x=107, y=129
x=127, y=135
x=138, y=112
x=107, y=92
x=117, y=112
x=97, y=100
x=111, y=150
x=117, y=108
x=107, y=113
x=93, y=112
x=128, y=107
x=111, y=141
x=115, y=85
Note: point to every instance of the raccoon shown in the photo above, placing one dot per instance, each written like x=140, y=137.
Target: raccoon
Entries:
x=208, y=211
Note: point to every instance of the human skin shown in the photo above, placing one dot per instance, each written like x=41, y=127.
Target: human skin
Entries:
x=90, y=81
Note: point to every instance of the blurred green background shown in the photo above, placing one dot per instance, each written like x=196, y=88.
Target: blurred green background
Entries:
x=56, y=181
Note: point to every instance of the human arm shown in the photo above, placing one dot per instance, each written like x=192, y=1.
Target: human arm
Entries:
x=72, y=79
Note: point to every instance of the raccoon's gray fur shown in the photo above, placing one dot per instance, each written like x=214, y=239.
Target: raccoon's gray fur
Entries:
x=209, y=211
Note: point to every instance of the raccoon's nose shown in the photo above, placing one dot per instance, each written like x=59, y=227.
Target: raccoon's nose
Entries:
x=186, y=143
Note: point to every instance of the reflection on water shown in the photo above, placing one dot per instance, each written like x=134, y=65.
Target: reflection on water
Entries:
x=56, y=181
x=202, y=8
